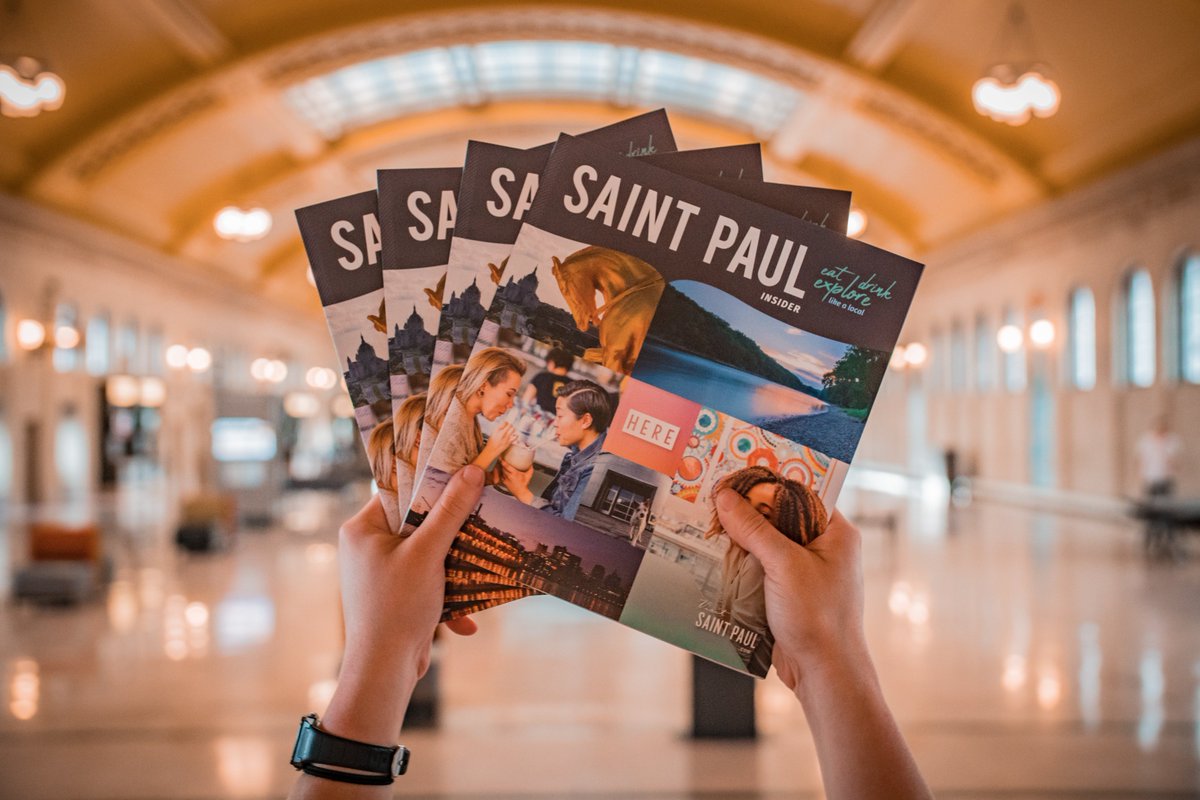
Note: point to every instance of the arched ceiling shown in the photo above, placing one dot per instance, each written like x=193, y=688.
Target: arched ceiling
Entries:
x=176, y=108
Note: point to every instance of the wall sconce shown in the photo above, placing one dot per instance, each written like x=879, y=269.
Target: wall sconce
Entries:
x=31, y=334
x=1041, y=334
x=176, y=356
x=1009, y=339
x=301, y=405
x=127, y=391
x=856, y=223
x=199, y=359
x=915, y=354
x=67, y=337
x=321, y=378
x=269, y=370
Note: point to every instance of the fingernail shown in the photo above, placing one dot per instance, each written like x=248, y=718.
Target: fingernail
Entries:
x=727, y=499
x=472, y=475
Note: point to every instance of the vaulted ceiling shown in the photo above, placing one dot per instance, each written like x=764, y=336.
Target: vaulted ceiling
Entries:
x=176, y=108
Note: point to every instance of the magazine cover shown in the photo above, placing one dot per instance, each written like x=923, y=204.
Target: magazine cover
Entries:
x=342, y=240
x=488, y=223
x=417, y=208
x=743, y=161
x=498, y=185
x=713, y=342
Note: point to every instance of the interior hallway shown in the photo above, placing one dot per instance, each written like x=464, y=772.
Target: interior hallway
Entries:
x=1024, y=654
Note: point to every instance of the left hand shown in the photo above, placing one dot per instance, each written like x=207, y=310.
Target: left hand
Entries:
x=393, y=588
x=517, y=480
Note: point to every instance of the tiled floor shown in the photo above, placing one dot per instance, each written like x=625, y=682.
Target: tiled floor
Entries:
x=1025, y=656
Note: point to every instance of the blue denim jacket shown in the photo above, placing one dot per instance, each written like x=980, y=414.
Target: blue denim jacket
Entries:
x=565, y=492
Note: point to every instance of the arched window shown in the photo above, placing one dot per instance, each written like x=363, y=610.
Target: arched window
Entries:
x=98, y=346
x=985, y=355
x=1014, y=362
x=1139, y=329
x=66, y=338
x=958, y=357
x=1189, y=318
x=1081, y=335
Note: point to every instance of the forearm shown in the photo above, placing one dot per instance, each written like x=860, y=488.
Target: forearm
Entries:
x=368, y=706
x=860, y=749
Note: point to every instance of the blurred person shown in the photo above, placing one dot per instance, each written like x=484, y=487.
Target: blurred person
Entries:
x=489, y=385
x=1157, y=453
x=814, y=602
x=407, y=423
x=583, y=411
x=794, y=510
x=543, y=387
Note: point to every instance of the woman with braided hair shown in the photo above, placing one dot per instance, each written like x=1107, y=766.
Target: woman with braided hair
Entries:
x=797, y=512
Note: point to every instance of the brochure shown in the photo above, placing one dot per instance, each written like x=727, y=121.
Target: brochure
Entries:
x=342, y=240
x=712, y=341
x=498, y=185
x=502, y=221
x=417, y=210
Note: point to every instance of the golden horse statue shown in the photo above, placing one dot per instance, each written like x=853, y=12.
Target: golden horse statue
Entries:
x=629, y=290
x=497, y=273
x=379, y=320
x=435, y=295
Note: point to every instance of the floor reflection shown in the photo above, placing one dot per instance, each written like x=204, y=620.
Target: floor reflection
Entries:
x=1003, y=637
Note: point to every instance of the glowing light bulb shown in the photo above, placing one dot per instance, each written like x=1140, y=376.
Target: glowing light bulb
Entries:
x=1041, y=334
x=1009, y=338
x=916, y=354
x=241, y=225
x=176, y=356
x=31, y=334
x=856, y=224
x=199, y=359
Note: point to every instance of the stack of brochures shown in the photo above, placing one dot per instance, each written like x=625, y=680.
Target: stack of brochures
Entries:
x=614, y=331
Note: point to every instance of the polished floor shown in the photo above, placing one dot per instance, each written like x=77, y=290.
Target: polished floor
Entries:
x=1025, y=655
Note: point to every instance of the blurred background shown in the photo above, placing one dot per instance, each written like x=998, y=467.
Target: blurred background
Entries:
x=177, y=448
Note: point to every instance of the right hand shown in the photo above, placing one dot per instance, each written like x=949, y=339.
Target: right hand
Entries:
x=814, y=594
x=504, y=435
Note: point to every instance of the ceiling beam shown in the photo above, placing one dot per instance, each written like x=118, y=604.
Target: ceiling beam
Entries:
x=883, y=33
x=192, y=33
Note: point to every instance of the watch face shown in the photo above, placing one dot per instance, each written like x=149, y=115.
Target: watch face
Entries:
x=400, y=761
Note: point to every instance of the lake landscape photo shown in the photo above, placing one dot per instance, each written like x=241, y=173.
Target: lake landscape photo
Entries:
x=711, y=348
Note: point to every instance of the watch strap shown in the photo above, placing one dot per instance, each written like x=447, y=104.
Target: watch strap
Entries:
x=347, y=777
x=317, y=750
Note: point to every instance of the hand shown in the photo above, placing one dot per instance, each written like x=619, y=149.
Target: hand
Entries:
x=517, y=481
x=814, y=602
x=504, y=435
x=814, y=594
x=393, y=589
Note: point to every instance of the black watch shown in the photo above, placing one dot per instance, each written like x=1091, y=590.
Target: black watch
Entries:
x=336, y=758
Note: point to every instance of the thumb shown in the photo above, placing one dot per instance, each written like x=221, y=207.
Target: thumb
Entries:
x=456, y=502
x=751, y=529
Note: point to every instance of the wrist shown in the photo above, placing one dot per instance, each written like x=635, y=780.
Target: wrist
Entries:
x=370, y=700
x=839, y=667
